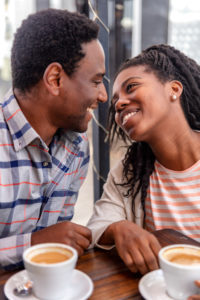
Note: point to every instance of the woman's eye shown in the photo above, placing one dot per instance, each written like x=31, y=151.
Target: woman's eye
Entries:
x=130, y=86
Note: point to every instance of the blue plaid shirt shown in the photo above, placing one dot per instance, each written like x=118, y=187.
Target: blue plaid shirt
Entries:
x=38, y=184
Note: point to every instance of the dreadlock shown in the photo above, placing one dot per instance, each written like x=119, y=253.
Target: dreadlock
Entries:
x=167, y=64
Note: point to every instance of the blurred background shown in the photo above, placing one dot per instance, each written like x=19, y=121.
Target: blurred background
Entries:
x=126, y=27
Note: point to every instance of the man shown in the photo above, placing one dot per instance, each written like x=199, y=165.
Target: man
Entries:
x=57, y=70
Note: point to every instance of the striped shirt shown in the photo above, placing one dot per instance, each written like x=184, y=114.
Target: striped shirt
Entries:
x=173, y=200
x=38, y=184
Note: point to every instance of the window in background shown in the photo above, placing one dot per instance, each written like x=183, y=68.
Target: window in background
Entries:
x=63, y=4
x=184, y=26
x=12, y=12
x=121, y=20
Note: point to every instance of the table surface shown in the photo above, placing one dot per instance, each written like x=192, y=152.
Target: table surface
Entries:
x=112, y=280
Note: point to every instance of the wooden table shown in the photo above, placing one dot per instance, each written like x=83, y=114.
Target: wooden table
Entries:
x=112, y=280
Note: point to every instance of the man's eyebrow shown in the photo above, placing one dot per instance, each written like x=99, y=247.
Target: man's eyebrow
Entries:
x=133, y=77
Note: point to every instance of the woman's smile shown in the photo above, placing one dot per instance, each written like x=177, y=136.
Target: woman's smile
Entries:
x=128, y=116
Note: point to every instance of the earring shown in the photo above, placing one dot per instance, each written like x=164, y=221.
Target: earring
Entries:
x=174, y=97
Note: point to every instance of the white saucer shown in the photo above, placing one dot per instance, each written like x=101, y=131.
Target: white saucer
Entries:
x=81, y=286
x=152, y=286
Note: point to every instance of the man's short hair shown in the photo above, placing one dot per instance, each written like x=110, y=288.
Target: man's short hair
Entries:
x=48, y=36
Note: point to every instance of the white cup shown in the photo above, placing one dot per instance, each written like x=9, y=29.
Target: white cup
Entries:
x=181, y=267
x=49, y=267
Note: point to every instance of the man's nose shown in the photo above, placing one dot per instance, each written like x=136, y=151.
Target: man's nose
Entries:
x=102, y=97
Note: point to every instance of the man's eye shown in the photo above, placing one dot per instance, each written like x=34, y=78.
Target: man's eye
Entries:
x=98, y=82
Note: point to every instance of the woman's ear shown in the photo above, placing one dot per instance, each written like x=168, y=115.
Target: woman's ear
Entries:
x=51, y=78
x=176, y=89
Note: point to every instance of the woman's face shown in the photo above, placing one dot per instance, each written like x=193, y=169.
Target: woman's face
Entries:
x=143, y=104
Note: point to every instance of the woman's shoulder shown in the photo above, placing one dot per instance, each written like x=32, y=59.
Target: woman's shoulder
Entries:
x=116, y=170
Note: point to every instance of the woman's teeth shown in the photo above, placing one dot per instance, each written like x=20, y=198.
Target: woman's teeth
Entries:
x=125, y=119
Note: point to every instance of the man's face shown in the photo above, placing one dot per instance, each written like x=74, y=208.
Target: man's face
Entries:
x=81, y=92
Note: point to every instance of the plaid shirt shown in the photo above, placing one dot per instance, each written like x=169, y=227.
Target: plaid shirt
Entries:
x=38, y=184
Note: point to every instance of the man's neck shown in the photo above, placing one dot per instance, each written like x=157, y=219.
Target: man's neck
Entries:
x=32, y=106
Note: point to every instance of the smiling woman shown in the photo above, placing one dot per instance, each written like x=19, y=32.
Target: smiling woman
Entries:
x=141, y=112
x=155, y=106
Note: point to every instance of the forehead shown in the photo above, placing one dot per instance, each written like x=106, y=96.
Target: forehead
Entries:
x=137, y=72
x=94, y=59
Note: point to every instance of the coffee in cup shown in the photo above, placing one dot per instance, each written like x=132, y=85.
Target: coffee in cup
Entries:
x=49, y=255
x=183, y=255
x=181, y=267
x=49, y=267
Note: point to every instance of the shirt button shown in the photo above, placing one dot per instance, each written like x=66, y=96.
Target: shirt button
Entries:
x=45, y=164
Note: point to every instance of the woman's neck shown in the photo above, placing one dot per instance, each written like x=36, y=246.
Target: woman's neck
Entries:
x=178, y=152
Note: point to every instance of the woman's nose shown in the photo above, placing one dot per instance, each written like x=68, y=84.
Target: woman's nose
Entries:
x=121, y=104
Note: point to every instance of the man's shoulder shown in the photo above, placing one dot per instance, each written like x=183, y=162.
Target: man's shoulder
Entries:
x=2, y=117
x=6, y=103
x=3, y=102
x=1, y=114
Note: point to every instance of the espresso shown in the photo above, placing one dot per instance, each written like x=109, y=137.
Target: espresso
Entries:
x=49, y=255
x=183, y=255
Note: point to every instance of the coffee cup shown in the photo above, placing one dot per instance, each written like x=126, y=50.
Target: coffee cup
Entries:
x=181, y=267
x=49, y=267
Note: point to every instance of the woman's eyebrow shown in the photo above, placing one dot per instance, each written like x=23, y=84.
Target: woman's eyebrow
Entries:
x=114, y=97
x=133, y=77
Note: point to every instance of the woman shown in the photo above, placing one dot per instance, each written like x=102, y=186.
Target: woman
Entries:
x=156, y=104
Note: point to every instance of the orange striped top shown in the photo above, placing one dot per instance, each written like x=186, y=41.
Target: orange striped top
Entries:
x=173, y=200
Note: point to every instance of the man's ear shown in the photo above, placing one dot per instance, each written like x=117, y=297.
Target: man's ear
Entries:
x=51, y=78
x=176, y=89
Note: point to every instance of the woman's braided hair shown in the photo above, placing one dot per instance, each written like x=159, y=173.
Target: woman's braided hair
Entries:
x=167, y=63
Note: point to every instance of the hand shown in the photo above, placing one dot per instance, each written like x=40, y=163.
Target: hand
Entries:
x=68, y=233
x=195, y=297
x=137, y=247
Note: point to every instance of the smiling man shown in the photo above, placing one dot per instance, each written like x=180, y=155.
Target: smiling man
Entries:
x=57, y=71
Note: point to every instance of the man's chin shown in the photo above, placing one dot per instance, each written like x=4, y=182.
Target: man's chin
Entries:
x=81, y=130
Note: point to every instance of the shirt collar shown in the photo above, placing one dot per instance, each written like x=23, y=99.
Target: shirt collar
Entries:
x=73, y=137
